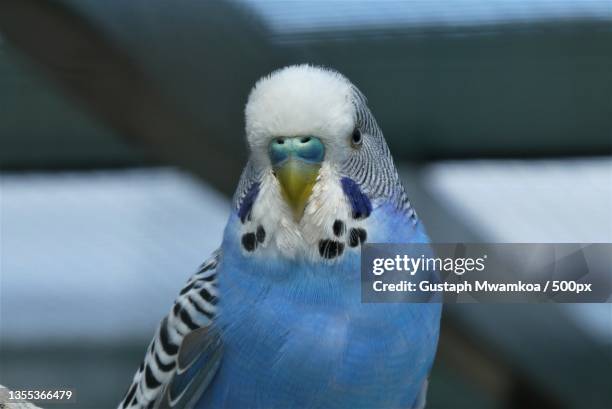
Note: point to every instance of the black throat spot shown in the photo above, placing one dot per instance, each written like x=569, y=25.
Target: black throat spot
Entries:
x=330, y=248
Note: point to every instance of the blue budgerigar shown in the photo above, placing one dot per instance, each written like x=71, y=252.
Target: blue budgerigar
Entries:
x=274, y=318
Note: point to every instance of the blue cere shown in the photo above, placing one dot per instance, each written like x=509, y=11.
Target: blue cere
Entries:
x=306, y=148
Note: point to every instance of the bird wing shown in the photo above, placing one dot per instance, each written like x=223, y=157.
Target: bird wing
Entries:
x=186, y=350
x=421, y=399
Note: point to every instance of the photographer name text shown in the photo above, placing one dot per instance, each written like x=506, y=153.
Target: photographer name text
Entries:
x=482, y=286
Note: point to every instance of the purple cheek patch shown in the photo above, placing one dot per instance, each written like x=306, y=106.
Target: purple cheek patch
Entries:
x=360, y=203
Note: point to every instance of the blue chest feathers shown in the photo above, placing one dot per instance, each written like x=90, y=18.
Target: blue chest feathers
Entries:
x=296, y=334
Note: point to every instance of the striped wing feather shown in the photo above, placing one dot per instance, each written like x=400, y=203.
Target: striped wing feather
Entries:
x=185, y=351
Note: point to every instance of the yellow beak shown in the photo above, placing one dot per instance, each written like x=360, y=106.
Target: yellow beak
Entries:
x=297, y=179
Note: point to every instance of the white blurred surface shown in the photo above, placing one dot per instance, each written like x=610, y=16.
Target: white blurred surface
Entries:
x=301, y=16
x=538, y=201
x=99, y=255
x=546, y=201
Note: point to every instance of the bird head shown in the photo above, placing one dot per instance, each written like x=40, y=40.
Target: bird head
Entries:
x=315, y=152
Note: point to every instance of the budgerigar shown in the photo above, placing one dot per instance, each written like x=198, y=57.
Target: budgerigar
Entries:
x=274, y=319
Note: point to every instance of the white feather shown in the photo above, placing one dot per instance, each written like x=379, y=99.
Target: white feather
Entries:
x=301, y=100
x=292, y=239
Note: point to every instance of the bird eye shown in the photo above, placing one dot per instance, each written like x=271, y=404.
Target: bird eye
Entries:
x=356, y=137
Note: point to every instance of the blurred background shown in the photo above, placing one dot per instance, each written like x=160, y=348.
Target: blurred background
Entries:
x=121, y=141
